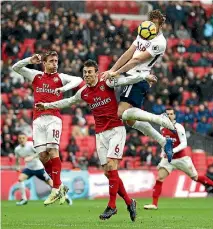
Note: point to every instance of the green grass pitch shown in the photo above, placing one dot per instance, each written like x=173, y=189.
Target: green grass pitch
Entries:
x=195, y=213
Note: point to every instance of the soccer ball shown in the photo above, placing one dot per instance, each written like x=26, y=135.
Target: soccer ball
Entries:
x=147, y=30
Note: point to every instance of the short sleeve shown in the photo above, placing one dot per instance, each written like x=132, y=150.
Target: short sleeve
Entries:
x=156, y=48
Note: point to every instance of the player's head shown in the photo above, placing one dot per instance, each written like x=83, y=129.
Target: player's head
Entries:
x=90, y=72
x=157, y=18
x=171, y=113
x=22, y=138
x=50, y=61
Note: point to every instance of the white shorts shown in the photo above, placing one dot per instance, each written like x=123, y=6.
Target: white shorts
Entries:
x=184, y=164
x=46, y=132
x=110, y=144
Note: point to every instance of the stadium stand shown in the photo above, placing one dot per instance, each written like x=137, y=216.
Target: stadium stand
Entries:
x=185, y=73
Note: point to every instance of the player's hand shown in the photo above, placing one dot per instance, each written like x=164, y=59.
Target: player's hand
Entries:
x=151, y=79
x=35, y=59
x=105, y=75
x=40, y=106
x=28, y=159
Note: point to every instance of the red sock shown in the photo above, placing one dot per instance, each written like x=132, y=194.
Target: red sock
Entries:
x=113, y=187
x=48, y=168
x=156, y=192
x=56, y=172
x=122, y=192
x=204, y=180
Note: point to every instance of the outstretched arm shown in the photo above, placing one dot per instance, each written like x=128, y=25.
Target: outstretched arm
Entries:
x=131, y=79
x=28, y=73
x=60, y=104
x=124, y=58
x=69, y=82
x=144, y=56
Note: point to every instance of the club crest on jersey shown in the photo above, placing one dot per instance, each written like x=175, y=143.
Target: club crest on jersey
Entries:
x=102, y=87
x=147, y=44
x=55, y=79
x=155, y=48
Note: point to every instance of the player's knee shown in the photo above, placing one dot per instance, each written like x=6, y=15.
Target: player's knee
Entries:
x=44, y=157
x=53, y=152
x=130, y=122
x=21, y=178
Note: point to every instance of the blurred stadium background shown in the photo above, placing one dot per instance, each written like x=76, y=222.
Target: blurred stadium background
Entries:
x=103, y=30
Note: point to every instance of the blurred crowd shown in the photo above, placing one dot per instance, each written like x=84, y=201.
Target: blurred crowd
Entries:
x=76, y=40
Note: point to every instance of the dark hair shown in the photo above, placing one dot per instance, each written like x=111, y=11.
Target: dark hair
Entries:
x=91, y=63
x=156, y=14
x=49, y=53
x=170, y=109
x=21, y=133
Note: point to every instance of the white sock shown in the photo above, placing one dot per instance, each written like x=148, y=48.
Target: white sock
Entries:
x=22, y=190
x=148, y=130
x=140, y=115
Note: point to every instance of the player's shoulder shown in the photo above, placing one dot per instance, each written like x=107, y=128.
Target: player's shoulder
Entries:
x=160, y=40
x=179, y=127
x=29, y=143
x=17, y=148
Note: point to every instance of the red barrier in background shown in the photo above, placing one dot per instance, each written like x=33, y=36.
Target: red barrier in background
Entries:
x=138, y=183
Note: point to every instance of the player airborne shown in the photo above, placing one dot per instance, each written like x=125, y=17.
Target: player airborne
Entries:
x=110, y=132
x=47, y=125
x=140, y=57
x=180, y=161
x=34, y=167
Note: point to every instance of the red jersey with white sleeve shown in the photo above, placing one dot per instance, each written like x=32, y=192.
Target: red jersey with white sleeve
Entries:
x=101, y=99
x=103, y=104
x=179, y=139
x=44, y=85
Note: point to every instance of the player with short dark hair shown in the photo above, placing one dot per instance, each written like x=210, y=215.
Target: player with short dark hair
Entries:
x=180, y=161
x=47, y=125
x=110, y=132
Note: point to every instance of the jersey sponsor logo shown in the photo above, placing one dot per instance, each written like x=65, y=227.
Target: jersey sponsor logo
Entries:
x=102, y=87
x=141, y=47
x=46, y=89
x=99, y=102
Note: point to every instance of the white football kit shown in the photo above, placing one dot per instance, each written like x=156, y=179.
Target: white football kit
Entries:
x=28, y=150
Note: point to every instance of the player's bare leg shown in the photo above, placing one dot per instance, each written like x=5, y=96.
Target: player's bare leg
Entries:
x=147, y=129
x=162, y=174
x=21, y=179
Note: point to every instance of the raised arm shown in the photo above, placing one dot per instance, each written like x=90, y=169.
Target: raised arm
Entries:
x=131, y=79
x=69, y=82
x=124, y=58
x=28, y=73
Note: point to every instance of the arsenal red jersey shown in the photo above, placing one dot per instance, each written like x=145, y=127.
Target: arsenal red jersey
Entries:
x=178, y=137
x=103, y=104
x=44, y=86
